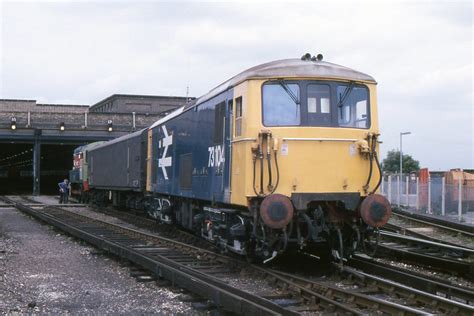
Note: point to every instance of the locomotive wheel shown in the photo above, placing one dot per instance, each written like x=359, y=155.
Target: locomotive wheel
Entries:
x=250, y=253
x=373, y=241
x=337, y=250
x=282, y=242
x=269, y=242
x=261, y=242
x=355, y=239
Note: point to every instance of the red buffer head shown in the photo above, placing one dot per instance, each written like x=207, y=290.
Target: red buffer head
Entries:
x=375, y=210
x=276, y=211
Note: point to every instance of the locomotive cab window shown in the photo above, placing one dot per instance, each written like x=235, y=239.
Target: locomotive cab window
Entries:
x=319, y=104
x=322, y=104
x=281, y=104
x=238, y=117
x=352, y=103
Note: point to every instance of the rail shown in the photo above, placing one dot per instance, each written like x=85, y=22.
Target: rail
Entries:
x=204, y=272
x=444, y=224
x=441, y=256
x=195, y=269
x=368, y=290
x=422, y=282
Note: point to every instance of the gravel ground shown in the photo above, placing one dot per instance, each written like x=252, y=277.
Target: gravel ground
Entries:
x=42, y=271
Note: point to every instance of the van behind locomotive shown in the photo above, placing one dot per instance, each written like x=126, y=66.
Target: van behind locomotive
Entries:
x=117, y=164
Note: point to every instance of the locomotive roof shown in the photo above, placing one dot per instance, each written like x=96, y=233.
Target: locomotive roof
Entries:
x=290, y=68
x=175, y=113
x=284, y=68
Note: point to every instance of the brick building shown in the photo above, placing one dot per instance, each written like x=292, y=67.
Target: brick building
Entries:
x=50, y=132
x=125, y=103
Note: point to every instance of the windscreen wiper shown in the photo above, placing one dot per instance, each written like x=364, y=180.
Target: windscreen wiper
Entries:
x=288, y=90
x=345, y=94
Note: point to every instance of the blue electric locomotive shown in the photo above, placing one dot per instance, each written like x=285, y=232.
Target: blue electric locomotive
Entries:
x=284, y=154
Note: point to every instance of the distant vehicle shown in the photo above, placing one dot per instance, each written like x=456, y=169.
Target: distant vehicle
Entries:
x=283, y=155
x=467, y=194
x=79, y=176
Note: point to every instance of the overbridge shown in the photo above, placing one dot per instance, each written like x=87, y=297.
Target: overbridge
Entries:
x=37, y=140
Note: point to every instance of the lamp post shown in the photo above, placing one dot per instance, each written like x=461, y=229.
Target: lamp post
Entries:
x=401, y=167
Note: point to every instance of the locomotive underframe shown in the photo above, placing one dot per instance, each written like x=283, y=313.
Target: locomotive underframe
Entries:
x=323, y=228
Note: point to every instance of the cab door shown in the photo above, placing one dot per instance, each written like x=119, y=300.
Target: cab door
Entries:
x=228, y=148
x=219, y=152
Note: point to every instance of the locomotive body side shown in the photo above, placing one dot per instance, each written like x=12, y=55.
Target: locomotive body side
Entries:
x=189, y=153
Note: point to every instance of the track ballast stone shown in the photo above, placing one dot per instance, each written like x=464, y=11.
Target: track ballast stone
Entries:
x=43, y=271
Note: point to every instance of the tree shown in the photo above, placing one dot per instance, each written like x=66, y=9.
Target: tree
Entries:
x=392, y=163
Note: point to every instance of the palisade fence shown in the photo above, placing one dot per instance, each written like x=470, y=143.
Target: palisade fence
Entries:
x=454, y=201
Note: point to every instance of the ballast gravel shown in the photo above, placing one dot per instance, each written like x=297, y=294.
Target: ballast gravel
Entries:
x=45, y=272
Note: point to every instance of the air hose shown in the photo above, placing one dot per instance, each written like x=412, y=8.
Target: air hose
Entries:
x=269, y=158
x=258, y=153
x=260, y=157
x=371, y=157
x=278, y=173
x=254, y=170
x=380, y=173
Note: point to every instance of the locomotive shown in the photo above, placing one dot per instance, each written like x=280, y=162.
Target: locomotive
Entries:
x=281, y=156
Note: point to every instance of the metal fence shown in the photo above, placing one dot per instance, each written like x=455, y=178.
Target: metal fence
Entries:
x=455, y=201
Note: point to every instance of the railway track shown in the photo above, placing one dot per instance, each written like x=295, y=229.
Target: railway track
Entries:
x=185, y=266
x=435, y=286
x=430, y=228
x=432, y=220
x=169, y=231
x=421, y=281
x=9, y=201
x=172, y=232
x=385, y=295
x=203, y=272
x=231, y=283
x=444, y=257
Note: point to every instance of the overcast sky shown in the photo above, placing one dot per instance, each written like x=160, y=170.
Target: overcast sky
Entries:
x=419, y=52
